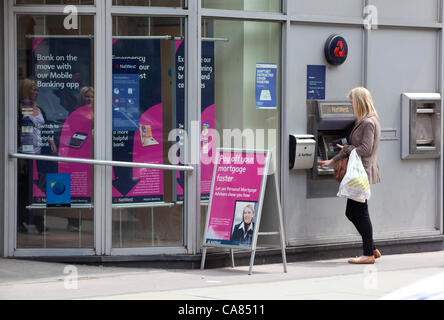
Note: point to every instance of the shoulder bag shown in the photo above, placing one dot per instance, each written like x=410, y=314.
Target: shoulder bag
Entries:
x=340, y=168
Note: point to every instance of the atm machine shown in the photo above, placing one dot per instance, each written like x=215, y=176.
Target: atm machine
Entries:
x=330, y=122
x=421, y=126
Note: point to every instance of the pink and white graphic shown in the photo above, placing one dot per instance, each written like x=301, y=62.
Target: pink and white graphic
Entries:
x=150, y=181
x=76, y=142
x=208, y=149
x=237, y=178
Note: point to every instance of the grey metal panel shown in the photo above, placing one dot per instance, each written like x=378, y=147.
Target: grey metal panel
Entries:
x=311, y=220
x=396, y=66
x=407, y=9
x=341, y=8
x=2, y=133
x=192, y=214
x=406, y=200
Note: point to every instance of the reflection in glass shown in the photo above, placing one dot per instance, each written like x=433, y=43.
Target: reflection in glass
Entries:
x=241, y=102
x=55, y=2
x=150, y=3
x=55, y=118
x=155, y=226
x=147, y=203
x=246, y=5
x=244, y=49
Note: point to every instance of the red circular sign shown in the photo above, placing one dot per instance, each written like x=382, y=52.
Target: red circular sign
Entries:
x=336, y=49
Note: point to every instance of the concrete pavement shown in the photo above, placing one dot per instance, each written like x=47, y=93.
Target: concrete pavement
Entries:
x=326, y=279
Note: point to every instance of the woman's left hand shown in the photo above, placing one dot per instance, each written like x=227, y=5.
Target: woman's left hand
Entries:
x=340, y=147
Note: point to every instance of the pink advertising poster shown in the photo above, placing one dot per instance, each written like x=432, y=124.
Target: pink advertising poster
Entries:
x=235, y=199
x=208, y=113
x=61, y=70
x=137, y=120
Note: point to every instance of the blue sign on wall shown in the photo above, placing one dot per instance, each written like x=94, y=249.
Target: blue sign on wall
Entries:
x=58, y=190
x=266, y=85
x=316, y=82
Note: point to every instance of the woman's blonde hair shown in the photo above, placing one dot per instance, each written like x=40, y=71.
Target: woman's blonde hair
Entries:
x=82, y=94
x=363, y=102
x=25, y=89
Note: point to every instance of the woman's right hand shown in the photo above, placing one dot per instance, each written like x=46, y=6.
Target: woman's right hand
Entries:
x=53, y=146
x=326, y=163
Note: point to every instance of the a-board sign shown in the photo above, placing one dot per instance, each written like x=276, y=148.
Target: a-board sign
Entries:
x=235, y=200
x=242, y=188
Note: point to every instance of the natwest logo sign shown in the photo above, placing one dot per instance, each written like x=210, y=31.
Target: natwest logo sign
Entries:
x=336, y=49
x=339, y=50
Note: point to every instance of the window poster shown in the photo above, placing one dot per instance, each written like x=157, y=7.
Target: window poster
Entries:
x=207, y=113
x=137, y=120
x=56, y=114
x=266, y=85
x=58, y=190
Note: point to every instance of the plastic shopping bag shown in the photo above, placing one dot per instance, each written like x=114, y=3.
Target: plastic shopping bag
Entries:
x=355, y=184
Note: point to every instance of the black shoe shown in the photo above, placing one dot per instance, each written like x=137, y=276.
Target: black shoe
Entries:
x=72, y=228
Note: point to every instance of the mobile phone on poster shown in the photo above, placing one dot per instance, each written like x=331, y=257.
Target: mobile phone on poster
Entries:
x=146, y=136
x=77, y=140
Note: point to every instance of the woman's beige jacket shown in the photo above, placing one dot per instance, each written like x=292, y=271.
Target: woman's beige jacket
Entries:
x=365, y=139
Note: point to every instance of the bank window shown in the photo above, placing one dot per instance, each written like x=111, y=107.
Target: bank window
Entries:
x=147, y=204
x=55, y=2
x=55, y=118
x=150, y=3
x=244, y=5
x=241, y=84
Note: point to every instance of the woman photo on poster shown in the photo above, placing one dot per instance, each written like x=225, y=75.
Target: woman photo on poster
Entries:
x=244, y=231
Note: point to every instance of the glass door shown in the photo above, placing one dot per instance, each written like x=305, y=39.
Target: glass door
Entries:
x=55, y=118
x=148, y=86
x=98, y=115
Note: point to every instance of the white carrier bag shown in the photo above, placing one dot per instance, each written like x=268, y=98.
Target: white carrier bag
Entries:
x=355, y=184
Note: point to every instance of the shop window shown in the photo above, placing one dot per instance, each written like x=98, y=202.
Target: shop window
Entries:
x=245, y=5
x=147, y=204
x=55, y=108
x=55, y=2
x=150, y=3
x=241, y=85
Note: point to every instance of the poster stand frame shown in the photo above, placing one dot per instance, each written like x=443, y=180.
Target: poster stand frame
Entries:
x=269, y=187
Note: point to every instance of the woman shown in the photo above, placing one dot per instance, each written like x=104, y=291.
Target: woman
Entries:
x=33, y=115
x=243, y=232
x=32, y=121
x=365, y=139
x=86, y=96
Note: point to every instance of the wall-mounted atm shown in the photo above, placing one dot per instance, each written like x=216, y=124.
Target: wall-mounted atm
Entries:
x=421, y=126
x=330, y=122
